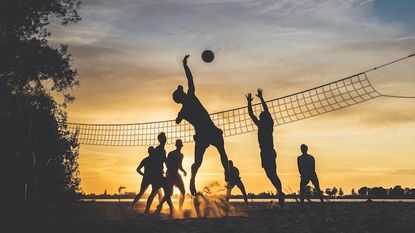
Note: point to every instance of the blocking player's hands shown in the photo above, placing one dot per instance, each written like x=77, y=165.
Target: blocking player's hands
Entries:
x=259, y=94
x=185, y=173
x=185, y=59
x=249, y=97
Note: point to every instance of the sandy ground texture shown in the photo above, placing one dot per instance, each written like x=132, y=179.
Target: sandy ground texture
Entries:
x=258, y=217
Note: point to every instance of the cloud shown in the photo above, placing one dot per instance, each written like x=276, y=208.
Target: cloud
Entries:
x=404, y=44
x=405, y=172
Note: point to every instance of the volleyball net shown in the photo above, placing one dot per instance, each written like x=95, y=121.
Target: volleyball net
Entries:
x=298, y=106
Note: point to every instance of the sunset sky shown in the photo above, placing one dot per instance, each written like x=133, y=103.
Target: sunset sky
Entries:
x=128, y=54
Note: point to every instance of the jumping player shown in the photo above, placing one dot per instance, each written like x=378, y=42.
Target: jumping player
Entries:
x=265, y=126
x=206, y=132
x=234, y=179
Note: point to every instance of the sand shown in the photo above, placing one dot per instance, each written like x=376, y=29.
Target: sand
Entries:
x=314, y=217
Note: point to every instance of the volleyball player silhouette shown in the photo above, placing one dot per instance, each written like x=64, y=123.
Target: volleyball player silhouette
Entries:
x=173, y=178
x=307, y=168
x=147, y=174
x=265, y=125
x=206, y=132
x=234, y=179
x=158, y=161
x=154, y=173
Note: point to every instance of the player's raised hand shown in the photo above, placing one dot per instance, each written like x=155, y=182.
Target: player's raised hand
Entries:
x=249, y=97
x=259, y=94
x=185, y=59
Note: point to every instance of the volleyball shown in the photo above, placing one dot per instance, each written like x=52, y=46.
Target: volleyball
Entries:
x=208, y=56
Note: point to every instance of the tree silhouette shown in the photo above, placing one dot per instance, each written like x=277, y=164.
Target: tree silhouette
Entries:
x=397, y=192
x=38, y=150
x=341, y=193
x=353, y=192
x=363, y=192
x=334, y=191
x=328, y=192
x=377, y=192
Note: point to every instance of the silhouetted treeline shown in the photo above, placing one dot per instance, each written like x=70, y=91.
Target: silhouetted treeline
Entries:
x=396, y=192
x=366, y=192
x=380, y=192
x=38, y=155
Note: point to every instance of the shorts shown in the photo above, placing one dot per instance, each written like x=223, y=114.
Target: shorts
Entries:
x=209, y=137
x=157, y=181
x=268, y=157
x=174, y=180
x=306, y=179
x=232, y=183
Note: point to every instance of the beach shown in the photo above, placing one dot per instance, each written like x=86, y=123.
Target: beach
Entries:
x=258, y=217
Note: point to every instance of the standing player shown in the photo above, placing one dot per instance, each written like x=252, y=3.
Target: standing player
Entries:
x=147, y=174
x=206, y=132
x=173, y=178
x=307, y=168
x=265, y=126
x=158, y=160
x=234, y=179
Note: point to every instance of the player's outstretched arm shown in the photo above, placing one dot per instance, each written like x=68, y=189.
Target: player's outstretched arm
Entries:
x=189, y=76
x=260, y=96
x=250, y=111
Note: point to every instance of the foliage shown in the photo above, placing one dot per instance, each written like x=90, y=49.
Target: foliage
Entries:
x=34, y=125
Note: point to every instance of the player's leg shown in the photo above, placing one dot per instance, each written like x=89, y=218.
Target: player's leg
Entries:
x=150, y=198
x=160, y=195
x=242, y=188
x=229, y=187
x=166, y=198
x=170, y=203
x=168, y=191
x=143, y=188
x=180, y=185
x=200, y=148
x=220, y=146
x=271, y=171
x=303, y=184
x=316, y=183
x=160, y=205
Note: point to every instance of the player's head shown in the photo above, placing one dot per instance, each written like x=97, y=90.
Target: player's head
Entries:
x=162, y=138
x=150, y=150
x=179, y=95
x=304, y=148
x=230, y=163
x=179, y=144
x=262, y=116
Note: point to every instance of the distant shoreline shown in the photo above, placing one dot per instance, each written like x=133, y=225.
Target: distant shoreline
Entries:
x=264, y=200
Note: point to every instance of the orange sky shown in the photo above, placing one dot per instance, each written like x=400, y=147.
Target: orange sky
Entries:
x=128, y=57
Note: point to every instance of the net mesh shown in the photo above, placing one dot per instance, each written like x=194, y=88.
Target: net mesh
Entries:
x=312, y=102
